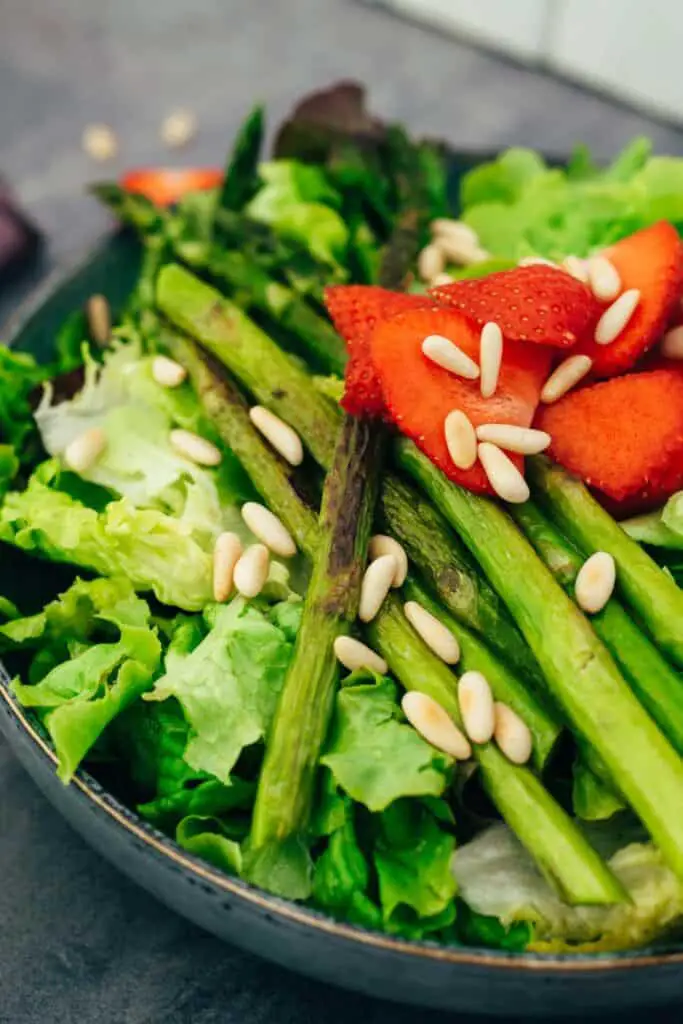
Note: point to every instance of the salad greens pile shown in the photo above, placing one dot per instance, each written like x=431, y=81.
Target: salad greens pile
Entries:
x=232, y=726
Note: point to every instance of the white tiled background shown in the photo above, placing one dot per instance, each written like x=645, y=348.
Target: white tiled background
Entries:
x=630, y=48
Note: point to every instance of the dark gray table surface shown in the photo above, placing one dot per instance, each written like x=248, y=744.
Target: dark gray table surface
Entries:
x=78, y=943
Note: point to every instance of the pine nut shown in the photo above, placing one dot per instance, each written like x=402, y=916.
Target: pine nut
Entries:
x=98, y=315
x=577, y=267
x=595, y=582
x=479, y=255
x=167, y=372
x=440, y=280
x=564, y=377
x=502, y=474
x=672, y=343
x=536, y=261
x=476, y=706
x=195, y=448
x=178, y=128
x=490, y=358
x=616, y=317
x=461, y=439
x=435, y=725
x=354, y=655
x=457, y=250
x=446, y=227
x=437, y=637
x=84, y=451
x=270, y=530
x=430, y=262
x=251, y=570
x=524, y=440
x=282, y=437
x=377, y=582
x=448, y=356
x=99, y=142
x=226, y=553
x=603, y=278
x=380, y=545
x=512, y=734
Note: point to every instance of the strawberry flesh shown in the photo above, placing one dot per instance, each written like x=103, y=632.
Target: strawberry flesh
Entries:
x=419, y=394
x=537, y=304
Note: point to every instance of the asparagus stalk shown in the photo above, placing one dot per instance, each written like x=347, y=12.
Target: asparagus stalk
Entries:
x=269, y=374
x=450, y=572
x=544, y=828
x=239, y=274
x=552, y=838
x=286, y=784
x=647, y=588
x=474, y=655
x=241, y=173
x=579, y=670
x=657, y=685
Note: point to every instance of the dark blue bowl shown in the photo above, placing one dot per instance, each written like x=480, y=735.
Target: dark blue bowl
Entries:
x=423, y=973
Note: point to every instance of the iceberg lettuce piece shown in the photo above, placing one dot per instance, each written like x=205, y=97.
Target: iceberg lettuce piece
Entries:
x=497, y=878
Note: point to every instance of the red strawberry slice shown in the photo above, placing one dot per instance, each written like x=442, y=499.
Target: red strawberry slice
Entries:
x=541, y=304
x=623, y=437
x=354, y=310
x=651, y=260
x=419, y=394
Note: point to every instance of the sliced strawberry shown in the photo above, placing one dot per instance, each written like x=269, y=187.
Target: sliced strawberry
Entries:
x=651, y=260
x=354, y=310
x=419, y=395
x=623, y=437
x=537, y=303
x=166, y=185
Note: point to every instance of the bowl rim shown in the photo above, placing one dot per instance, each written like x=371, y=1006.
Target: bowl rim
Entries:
x=163, y=845
x=300, y=914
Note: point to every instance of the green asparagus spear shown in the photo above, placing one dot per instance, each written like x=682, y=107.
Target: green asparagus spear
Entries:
x=552, y=838
x=233, y=269
x=657, y=685
x=579, y=670
x=272, y=377
x=449, y=570
x=544, y=828
x=285, y=789
x=241, y=174
x=647, y=588
x=474, y=655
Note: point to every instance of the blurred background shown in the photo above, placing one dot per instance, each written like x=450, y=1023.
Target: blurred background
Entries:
x=79, y=942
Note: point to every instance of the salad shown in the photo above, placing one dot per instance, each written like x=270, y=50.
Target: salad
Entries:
x=366, y=523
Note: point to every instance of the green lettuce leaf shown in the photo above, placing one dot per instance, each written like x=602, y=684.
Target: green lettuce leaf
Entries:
x=204, y=837
x=497, y=878
x=519, y=207
x=341, y=880
x=413, y=857
x=661, y=528
x=373, y=755
x=298, y=201
x=19, y=375
x=155, y=551
x=121, y=398
x=229, y=684
x=78, y=698
x=592, y=799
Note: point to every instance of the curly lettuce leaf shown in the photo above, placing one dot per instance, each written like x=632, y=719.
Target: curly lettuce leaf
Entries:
x=121, y=398
x=592, y=798
x=519, y=206
x=155, y=551
x=229, y=684
x=205, y=837
x=373, y=755
x=342, y=878
x=19, y=375
x=79, y=697
x=298, y=201
x=497, y=878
